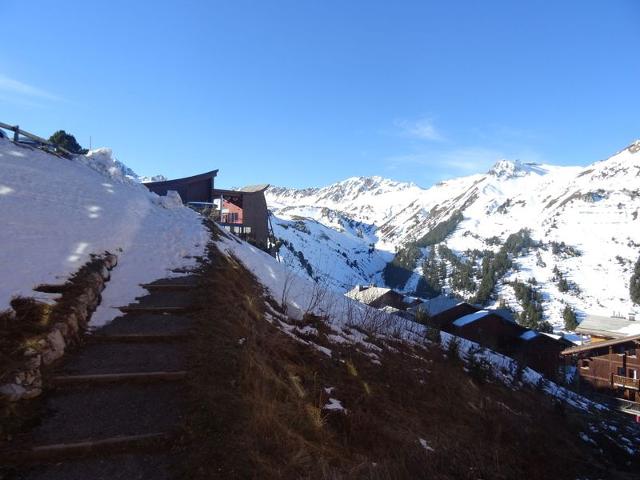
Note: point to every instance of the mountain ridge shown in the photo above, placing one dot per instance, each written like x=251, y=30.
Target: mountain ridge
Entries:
x=592, y=210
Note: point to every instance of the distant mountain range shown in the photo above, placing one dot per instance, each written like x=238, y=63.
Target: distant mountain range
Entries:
x=583, y=224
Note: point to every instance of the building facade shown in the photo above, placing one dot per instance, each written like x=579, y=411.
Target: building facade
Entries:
x=609, y=366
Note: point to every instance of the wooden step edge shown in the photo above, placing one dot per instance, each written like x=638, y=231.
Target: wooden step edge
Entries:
x=150, y=309
x=141, y=377
x=136, y=338
x=117, y=444
x=169, y=286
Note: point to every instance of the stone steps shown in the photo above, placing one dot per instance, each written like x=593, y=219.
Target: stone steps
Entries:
x=125, y=357
x=121, y=394
x=153, y=309
x=137, y=338
x=143, y=463
x=148, y=324
x=137, y=377
x=116, y=444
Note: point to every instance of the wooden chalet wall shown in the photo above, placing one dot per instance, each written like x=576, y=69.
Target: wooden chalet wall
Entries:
x=609, y=366
x=543, y=354
x=391, y=299
x=443, y=319
x=491, y=331
x=256, y=216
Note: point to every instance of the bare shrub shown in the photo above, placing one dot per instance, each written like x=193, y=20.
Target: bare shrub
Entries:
x=318, y=294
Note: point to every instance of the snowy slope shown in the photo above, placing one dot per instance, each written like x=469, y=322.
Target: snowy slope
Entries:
x=348, y=319
x=56, y=212
x=594, y=210
x=328, y=246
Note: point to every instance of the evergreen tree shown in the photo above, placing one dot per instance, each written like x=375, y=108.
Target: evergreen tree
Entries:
x=634, y=284
x=545, y=327
x=563, y=285
x=429, y=284
x=570, y=319
x=66, y=141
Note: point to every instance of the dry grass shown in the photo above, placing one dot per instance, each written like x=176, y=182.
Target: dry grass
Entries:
x=257, y=407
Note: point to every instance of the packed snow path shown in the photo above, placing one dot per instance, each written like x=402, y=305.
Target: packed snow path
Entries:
x=116, y=405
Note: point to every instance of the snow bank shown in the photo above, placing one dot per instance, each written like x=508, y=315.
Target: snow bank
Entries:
x=56, y=212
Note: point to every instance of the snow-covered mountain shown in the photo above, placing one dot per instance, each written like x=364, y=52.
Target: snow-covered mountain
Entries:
x=583, y=220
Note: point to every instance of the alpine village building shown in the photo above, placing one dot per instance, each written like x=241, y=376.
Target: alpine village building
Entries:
x=243, y=212
x=609, y=366
x=493, y=329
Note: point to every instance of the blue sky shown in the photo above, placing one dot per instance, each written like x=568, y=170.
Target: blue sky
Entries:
x=304, y=93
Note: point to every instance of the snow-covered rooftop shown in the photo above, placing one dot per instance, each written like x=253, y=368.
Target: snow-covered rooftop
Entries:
x=472, y=317
x=367, y=294
x=529, y=335
x=609, y=326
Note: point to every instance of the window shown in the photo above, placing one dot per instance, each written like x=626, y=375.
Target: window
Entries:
x=621, y=371
x=584, y=364
x=633, y=373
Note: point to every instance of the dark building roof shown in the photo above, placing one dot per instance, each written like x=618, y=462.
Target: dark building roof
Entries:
x=445, y=318
x=605, y=344
x=177, y=181
x=196, y=188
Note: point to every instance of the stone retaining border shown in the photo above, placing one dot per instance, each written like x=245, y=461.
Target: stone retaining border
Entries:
x=68, y=319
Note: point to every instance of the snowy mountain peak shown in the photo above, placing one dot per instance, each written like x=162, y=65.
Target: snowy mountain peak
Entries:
x=374, y=184
x=634, y=147
x=507, y=169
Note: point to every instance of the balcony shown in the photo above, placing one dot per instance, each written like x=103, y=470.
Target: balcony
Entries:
x=625, y=382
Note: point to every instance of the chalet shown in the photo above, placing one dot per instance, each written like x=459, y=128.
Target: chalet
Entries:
x=609, y=366
x=497, y=331
x=542, y=351
x=243, y=212
x=377, y=297
x=602, y=328
x=490, y=330
x=445, y=318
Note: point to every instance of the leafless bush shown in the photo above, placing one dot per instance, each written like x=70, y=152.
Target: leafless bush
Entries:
x=319, y=292
x=289, y=278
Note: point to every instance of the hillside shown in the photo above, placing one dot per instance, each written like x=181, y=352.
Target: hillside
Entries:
x=583, y=222
x=297, y=381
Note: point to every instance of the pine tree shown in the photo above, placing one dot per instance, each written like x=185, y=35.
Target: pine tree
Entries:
x=66, y=141
x=634, y=284
x=570, y=319
x=563, y=285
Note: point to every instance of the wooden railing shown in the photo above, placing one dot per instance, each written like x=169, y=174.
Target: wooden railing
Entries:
x=17, y=133
x=626, y=382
